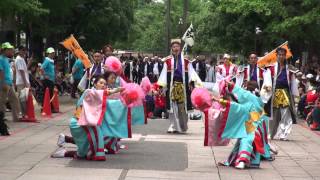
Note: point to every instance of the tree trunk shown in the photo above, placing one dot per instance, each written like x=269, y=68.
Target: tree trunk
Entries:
x=185, y=15
x=168, y=26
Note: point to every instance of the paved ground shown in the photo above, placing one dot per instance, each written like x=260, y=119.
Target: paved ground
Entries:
x=152, y=154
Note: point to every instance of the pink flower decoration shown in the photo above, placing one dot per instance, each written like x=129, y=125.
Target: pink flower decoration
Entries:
x=201, y=99
x=113, y=64
x=133, y=94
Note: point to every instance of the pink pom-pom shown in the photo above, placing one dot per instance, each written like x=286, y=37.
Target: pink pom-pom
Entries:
x=201, y=99
x=113, y=64
x=145, y=85
x=133, y=94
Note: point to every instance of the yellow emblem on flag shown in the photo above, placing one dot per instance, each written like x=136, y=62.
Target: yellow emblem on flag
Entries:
x=72, y=45
x=271, y=58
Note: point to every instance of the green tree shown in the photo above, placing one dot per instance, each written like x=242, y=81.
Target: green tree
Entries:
x=13, y=7
x=147, y=30
x=99, y=21
x=231, y=25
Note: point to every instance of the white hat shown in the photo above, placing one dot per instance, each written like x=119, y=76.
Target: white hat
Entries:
x=227, y=56
x=50, y=50
x=173, y=41
x=309, y=76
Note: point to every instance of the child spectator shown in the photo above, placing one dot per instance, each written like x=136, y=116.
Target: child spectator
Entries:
x=159, y=102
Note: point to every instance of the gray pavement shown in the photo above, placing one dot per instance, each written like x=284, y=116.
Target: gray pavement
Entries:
x=151, y=154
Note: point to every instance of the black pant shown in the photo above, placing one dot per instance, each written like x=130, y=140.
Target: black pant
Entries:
x=158, y=112
x=75, y=88
x=50, y=85
x=140, y=76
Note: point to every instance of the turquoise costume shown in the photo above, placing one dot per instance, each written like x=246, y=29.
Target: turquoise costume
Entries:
x=246, y=122
x=89, y=139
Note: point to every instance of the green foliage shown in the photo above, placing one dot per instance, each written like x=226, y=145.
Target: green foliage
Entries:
x=99, y=21
x=148, y=30
x=220, y=25
x=231, y=24
x=11, y=7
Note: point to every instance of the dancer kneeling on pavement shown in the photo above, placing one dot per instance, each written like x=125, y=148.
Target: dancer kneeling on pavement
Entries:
x=245, y=119
x=242, y=119
x=86, y=133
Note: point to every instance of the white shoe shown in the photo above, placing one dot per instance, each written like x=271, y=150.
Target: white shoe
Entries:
x=123, y=146
x=273, y=149
x=61, y=140
x=171, y=129
x=59, y=153
x=241, y=165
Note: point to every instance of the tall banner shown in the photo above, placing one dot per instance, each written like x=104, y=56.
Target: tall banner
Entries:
x=72, y=45
x=188, y=38
x=271, y=58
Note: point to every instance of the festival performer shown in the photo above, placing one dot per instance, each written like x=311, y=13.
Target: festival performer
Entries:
x=282, y=102
x=251, y=72
x=226, y=69
x=107, y=51
x=96, y=69
x=176, y=75
x=241, y=117
x=88, y=137
x=137, y=110
x=244, y=119
x=112, y=143
x=118, y=112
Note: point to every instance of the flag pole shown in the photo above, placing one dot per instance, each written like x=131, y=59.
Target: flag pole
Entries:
x=276, y=48
x=271, y=52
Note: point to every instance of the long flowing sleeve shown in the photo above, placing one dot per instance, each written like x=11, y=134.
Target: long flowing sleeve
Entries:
x=267, y=84
x=239, y=78
x=193, y=76
x=294, y=86
x=233, y=121
x=93, y=108
x=162, y=81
